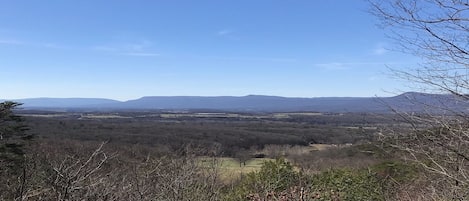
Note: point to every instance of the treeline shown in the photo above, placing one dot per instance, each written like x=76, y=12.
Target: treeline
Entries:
x=83, y=170
x=229, y=136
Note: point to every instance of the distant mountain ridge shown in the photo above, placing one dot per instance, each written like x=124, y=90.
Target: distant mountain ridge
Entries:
x=64, y=102
x=254, y=103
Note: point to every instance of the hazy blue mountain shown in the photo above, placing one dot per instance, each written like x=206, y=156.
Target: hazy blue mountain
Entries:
x=424, y=102
x=254, y=103
x=408, y=102
x=64, y=102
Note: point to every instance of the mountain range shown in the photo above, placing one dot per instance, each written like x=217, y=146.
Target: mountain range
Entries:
x=408, y=102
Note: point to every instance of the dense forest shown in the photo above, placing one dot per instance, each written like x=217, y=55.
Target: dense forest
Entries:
x=162, y=156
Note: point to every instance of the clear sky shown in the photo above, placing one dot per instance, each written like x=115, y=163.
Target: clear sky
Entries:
x=129, y=49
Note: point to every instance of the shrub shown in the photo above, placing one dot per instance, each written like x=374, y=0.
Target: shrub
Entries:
x=274, y=177
x=346, y=184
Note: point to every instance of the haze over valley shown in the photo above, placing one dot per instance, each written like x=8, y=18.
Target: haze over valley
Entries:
x=407, y=102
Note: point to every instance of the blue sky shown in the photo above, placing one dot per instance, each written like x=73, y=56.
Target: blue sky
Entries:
x=128, y=49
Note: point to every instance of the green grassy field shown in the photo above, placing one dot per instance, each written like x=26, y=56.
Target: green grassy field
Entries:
x=230, y=168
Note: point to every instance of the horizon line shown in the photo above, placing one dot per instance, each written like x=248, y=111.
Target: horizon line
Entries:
x=208, y=96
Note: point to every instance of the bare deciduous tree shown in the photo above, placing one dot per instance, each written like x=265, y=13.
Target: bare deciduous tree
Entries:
x=437, y=31
x=74, y=171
